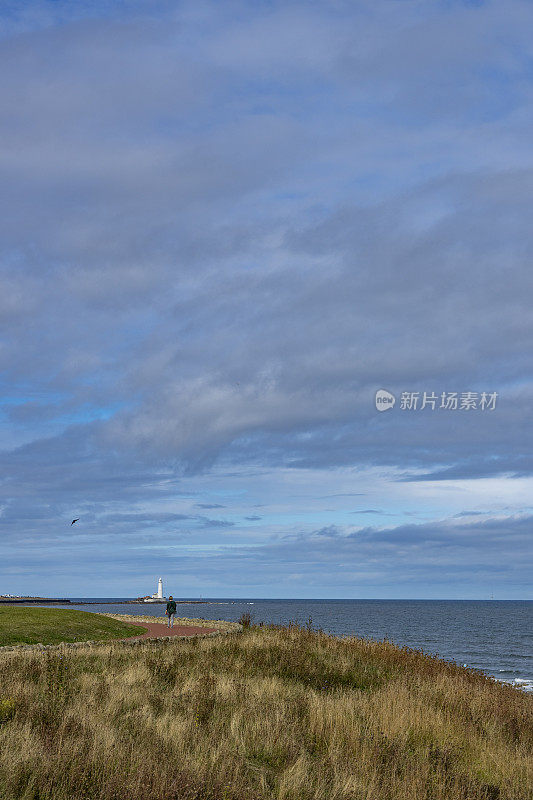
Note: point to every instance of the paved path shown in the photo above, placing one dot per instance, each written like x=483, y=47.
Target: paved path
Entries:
x=162, y=629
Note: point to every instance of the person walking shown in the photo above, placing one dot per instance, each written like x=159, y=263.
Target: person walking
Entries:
x=171, y=611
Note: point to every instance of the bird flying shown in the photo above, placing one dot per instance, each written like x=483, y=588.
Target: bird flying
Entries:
x=74, y=520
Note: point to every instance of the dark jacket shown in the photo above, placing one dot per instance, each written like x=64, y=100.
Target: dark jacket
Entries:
x=171, y=607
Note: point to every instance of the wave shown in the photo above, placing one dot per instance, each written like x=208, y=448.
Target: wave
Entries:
x=524, y=684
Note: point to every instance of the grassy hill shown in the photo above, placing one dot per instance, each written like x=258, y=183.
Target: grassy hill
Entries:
x=22, y=625
x=284, y=713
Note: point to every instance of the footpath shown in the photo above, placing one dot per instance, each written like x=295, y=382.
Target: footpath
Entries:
x=158, y=629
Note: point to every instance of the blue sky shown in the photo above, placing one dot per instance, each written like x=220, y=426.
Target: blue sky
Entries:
x=224, y=227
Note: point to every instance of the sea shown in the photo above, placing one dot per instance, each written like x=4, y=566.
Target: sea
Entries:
x=493, y=636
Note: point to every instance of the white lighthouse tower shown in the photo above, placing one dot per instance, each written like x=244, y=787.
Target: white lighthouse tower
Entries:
x=158, y=597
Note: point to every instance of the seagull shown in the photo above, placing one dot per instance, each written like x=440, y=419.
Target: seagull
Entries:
x=74, y=520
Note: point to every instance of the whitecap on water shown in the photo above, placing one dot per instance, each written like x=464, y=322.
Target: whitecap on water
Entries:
x=525, y=684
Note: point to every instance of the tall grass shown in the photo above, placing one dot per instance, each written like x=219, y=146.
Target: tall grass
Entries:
x=274, y=712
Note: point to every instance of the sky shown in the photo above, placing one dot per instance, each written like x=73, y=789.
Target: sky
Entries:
x=224, y=226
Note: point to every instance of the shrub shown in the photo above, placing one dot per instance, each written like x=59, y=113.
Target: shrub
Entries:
x=7, y=709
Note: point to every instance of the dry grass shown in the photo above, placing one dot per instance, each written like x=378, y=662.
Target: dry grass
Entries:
x=281, y=713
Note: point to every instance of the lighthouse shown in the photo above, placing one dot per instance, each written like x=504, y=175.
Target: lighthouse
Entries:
x=158, y=597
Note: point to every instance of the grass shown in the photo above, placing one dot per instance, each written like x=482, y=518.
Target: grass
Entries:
x=24, y=625
x=272, y=713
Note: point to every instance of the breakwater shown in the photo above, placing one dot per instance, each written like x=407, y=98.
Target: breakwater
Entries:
x=148, y=602
x=33, y=600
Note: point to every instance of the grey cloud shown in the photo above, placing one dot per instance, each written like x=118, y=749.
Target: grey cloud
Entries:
x=409, y=558
x=411, y=553
x=471, y=514
x=343, y=494
x=224, y=227
x=432, y=350
x=216, y=523
x=155, y=518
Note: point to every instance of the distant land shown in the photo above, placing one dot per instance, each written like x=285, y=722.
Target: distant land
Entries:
x=14, y=599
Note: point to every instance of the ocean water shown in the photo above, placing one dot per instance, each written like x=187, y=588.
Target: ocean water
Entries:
x=495, y=636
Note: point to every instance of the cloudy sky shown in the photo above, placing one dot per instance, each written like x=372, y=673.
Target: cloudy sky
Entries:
x=224, y=226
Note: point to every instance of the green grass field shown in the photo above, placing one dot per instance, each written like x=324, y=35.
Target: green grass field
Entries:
x=24, y=625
